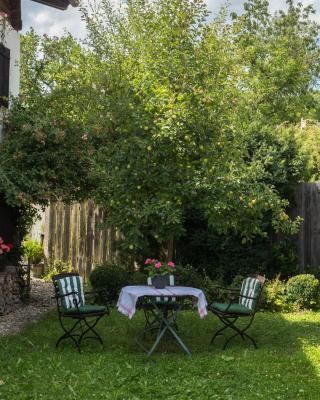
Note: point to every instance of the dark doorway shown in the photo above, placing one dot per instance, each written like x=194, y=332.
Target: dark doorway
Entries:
x=8, y=221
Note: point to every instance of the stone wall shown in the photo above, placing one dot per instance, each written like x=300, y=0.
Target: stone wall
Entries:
x=9, y=291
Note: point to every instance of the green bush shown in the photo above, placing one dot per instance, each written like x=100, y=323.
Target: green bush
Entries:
x=187, y=275
x=109, y=277
x=303, y=291
x=138, y=278
x=237, y=282
x=33, y=251
x=284, y=259
x=55, y=267
x=222, y=257
x=274, y=295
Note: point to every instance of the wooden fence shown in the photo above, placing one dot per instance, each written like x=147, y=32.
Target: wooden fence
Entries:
x=73, y=233
x=307, y=199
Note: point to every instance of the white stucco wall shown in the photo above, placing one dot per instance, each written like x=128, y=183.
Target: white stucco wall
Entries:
x=11, y=39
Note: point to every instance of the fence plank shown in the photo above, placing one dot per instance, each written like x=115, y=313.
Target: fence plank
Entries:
x=307, y=206
x=74, y=233
x=66, y=234
x=89, y=238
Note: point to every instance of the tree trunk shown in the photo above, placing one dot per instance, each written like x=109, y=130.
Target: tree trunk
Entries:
x=170, y=248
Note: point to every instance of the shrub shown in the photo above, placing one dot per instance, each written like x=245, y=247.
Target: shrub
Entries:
x=110, y=277
x=222, y=257
x=284, y=259
x=302, y=291
x=274, y=295
x=187, y=275
x=55, y=267
x=237, y=282
x=33, y=251
x=138, y=278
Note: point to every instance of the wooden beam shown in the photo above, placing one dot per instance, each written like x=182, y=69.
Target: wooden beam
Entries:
x=16, y=14
x=13, y=10
x=60, y=4
x=5, y=6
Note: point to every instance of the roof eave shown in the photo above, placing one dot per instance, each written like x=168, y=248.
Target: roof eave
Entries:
x=59, y=4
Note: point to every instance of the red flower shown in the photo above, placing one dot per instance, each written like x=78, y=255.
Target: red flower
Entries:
x=5, y=248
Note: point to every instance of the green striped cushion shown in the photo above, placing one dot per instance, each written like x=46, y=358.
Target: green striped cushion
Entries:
x=87, y=309
x=71, y=284
x=251, y=287
x=164, y=299
x=233, y=308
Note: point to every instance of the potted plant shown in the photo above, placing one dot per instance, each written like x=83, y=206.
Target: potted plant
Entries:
x=34, y=253
x=5, y=248
x=159, y=272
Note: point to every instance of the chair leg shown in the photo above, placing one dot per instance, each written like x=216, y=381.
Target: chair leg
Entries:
x=69, y=333
x=228, y=340
x=90, y=328
x=83, y=330
x=251, y=339
x=227, y=324
x=231, y=323
x=243, y=336
x=218, y=333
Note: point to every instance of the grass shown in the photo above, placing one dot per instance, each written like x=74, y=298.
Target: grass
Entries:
x=286, y=365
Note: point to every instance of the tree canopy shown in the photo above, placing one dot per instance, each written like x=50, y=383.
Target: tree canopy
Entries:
x=161, y=111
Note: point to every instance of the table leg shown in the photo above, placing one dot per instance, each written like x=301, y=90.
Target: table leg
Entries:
x=165, y=324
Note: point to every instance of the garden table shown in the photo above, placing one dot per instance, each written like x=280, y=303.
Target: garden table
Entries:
x=129, y=296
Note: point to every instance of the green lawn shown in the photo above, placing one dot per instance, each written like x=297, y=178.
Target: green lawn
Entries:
x=286, y=365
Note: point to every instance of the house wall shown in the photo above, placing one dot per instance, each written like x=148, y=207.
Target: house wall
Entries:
x=12, y=42
x=11, y=39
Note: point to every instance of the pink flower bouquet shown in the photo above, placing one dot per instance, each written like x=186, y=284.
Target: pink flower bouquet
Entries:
x=156, y=267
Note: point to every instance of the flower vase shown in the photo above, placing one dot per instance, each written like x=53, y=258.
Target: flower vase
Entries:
x=160, y=281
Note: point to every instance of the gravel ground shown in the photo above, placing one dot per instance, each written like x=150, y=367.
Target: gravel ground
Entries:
x=40, y=302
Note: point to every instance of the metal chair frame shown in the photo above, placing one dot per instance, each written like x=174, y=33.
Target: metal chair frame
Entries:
x=84, y=324
x=229, y=319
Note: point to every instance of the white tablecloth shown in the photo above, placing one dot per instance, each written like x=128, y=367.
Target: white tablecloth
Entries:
x=130, y=294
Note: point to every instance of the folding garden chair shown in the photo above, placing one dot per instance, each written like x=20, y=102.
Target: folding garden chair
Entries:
x=245, y=307
x=71, y=305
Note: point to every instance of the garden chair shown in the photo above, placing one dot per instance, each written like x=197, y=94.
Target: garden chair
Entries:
x=243, y=304
x=71, y=306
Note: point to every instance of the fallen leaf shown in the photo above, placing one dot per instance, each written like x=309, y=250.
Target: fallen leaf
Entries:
x=226, y=358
